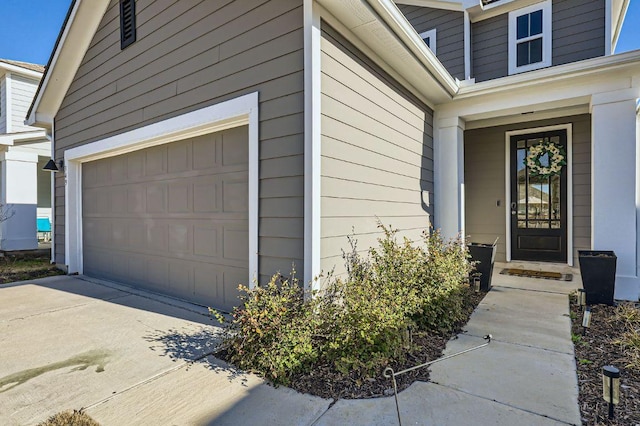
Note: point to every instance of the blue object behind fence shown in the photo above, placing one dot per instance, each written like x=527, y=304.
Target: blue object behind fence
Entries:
x=44, y=225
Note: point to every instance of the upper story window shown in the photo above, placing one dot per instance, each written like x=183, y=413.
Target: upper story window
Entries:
x=429, y=38
x=127, y=22
x=530, y=38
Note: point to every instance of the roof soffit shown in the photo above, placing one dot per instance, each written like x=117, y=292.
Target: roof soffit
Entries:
x=80, y=26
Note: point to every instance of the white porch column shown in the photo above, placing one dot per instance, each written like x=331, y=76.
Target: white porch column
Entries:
x=614, y=184
x=449, y=175
x=19, y=196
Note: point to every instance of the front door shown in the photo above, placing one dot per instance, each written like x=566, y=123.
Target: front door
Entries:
x=539, y=196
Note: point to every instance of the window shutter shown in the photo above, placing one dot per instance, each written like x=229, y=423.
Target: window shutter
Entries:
x=127, y=22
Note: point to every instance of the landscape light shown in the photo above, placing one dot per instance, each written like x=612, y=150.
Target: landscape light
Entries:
x=586, y=319
x=611, y=386
x=476, y=284
x=582, y=297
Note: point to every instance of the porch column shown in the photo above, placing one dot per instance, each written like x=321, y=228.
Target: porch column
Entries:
x=449, y=175
x=614, y=184
x=19, y=196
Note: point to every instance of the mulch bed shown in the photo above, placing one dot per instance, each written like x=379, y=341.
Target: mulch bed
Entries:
x=326, y=382
x=595, y=350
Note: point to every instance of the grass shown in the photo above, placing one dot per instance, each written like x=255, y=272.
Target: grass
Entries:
x=25, y=268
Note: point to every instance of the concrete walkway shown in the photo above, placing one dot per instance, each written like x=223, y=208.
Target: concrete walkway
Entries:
x=134, y=358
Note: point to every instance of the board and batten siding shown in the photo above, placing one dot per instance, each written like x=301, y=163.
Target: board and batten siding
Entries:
x=22, y=91
x=578, y=30
x=490, y=48
x=376, y=156
x=484, y=156
x=189, y=55
x=449, y=26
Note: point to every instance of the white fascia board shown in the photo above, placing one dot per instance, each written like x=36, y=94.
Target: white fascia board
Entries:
x=23, y=137
x=19, y=70
x=617, y=21
x=383, y=29
x=398, y=24
x=595, y=66
x=73, y=44
x=480, y=12
x=435, y=4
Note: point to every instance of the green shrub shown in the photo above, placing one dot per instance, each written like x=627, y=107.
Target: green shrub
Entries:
x=359, y=322
x=272, y=333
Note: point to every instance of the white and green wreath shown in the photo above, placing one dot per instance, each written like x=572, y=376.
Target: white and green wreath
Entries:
x=555, y=154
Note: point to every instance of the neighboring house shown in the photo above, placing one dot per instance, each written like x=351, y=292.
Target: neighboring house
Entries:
x=207, y=143
x=25, y=189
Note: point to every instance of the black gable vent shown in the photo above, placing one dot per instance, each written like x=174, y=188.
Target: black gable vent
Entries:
x=127, y=22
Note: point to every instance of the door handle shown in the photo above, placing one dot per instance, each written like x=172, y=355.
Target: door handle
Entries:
x=514, y=206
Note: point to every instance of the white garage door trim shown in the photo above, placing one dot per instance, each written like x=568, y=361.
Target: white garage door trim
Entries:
x=236, y=112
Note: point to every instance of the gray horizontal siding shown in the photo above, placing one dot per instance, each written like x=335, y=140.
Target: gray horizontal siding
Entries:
x=189, y=55
x=490, y=47
x=578, y=30
x=484, y=152
x=377, y=153
x=449, y=27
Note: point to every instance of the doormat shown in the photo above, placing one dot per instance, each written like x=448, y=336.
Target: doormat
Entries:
x=537, y=274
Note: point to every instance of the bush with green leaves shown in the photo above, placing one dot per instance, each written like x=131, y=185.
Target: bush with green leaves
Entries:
x=359, y=321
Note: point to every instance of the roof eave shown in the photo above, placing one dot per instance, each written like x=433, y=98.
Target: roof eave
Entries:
x=19, y=70
x=381, y=26
x=573, y=70
x=73, y=41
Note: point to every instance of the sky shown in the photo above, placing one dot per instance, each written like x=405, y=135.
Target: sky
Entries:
x=29, y=28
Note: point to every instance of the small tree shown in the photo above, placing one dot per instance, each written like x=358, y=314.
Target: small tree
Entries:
x=5, y=213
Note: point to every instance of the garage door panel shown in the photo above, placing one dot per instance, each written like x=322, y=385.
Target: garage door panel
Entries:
x=236, y=244
x=135, y=165
x=136, y=199
x=207, y=196
x=179, y=157
x=235, y=195
x=207, y=241
x=172, y=218
x=235, y=148
x=180, y=238
x=179, y=197
x=155, y=161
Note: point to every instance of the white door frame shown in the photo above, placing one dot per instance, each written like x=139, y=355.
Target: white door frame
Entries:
x=236, y=112
x=569, y=201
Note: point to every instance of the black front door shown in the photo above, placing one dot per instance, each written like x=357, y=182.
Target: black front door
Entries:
x=539, y=197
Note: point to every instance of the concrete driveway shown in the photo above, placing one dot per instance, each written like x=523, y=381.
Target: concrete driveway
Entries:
x=127, y=357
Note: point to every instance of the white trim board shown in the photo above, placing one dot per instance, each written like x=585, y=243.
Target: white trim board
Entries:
x=507, y=182
x=312, y=145
x=232, y=113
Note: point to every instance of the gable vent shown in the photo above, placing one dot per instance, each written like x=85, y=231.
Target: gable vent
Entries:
x=127, y=22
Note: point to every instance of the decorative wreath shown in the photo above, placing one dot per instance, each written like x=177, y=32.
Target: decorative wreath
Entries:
x=557, y=159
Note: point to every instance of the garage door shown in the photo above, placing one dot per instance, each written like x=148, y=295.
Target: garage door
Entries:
x=171, y=218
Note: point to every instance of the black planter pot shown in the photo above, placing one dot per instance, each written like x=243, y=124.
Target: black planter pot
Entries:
x=484, y=255
x=598, y=270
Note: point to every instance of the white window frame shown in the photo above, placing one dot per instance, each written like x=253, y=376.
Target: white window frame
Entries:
x=545, y=6
x=432, y=39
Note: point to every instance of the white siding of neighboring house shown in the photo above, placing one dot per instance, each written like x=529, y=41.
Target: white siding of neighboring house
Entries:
x=3, y=105
x=22, y=91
